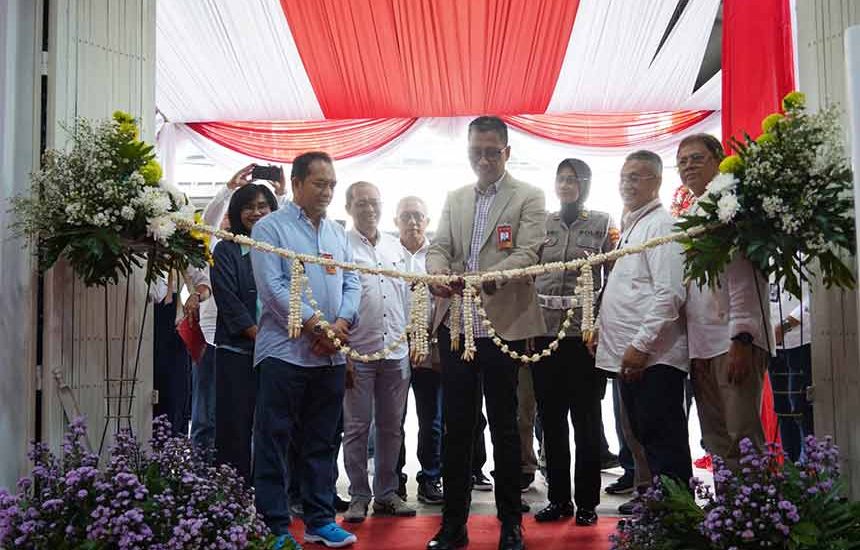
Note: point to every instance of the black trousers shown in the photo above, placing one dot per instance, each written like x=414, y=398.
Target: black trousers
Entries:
x=656, y=408
x=171, y=370
x=235, y=399
x=567, y=382
x=462, y=382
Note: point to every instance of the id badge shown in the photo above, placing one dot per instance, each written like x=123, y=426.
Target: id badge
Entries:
x=504, y=237
x=329, y=269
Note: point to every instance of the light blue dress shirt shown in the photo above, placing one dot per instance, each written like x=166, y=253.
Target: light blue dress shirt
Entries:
x=338, y=294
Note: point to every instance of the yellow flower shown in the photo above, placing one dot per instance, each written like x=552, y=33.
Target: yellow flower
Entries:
x=731, y=164
x=764, y=138
x=202, y=236
x=151, y=172
x=122, y=116
x=770, y=122
x=794, y=100
x=128, y=130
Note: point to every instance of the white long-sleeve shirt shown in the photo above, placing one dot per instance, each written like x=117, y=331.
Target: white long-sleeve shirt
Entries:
x=737, y=304
x=383, y=311
x=644, y=296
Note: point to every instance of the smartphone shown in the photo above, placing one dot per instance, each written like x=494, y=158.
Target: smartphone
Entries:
x=271, y=173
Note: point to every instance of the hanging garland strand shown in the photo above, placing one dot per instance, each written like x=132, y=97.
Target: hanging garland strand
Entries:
x=462, y=308
x=531, y=271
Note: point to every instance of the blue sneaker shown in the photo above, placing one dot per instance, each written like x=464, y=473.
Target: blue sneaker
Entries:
x=286, y=542
x=331, y=535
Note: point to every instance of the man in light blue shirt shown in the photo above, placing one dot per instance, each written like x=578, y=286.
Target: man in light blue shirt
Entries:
x=301, y=381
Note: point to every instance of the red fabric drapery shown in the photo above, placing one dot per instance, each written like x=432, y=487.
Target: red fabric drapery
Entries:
x=758, y=63
x=405, y=58
x=758, y=70
x=283, y=141
x=607, y=129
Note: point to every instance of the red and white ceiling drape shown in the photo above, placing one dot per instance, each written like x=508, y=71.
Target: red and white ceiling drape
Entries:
x=555, y=68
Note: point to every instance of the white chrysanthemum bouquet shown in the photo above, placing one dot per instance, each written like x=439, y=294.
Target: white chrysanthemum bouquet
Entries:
x=101, y=205
x=784, y=201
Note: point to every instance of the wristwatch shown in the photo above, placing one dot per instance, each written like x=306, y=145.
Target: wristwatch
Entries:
x=743, y=337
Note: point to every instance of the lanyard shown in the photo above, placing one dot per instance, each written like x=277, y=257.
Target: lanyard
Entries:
x=630, y=231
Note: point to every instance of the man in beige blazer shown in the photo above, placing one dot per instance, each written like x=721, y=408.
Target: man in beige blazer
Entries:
x=498, y=223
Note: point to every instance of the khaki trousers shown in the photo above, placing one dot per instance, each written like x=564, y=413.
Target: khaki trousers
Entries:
x=728, y=413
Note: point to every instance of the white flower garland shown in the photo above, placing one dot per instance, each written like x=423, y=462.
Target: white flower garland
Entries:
x=455, y=309
x=524, y=357
x=585, y=291
x=460, y=306
x=297, y=279
x=419, y=339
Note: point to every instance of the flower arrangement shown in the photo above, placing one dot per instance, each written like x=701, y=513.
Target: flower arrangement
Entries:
x=767, y=504
x=101, y=206
x=169, y=498
x=783, y=200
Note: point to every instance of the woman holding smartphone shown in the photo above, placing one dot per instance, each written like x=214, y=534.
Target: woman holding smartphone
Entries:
x=236, y=330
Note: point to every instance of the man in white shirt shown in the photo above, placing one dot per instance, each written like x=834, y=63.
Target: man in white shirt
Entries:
x=412, y=221
x=641, y=330
x=727, y=327
x=378, y=389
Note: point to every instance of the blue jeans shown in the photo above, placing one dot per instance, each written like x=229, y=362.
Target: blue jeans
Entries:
x=203, y=400
x=303, y=403
x=790, y=375
x=427, y=389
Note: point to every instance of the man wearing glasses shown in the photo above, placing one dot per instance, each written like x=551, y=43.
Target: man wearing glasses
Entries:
x=412, y=222
x=641, y=331
x=727, y=327
x=495, y=224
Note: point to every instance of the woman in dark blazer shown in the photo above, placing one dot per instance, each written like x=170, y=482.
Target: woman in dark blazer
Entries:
x=236, y=329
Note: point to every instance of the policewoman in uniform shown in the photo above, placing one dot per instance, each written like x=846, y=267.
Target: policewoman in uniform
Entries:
x=567, y=381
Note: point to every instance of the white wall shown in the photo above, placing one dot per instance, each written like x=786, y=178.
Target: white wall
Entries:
x=835, y=353
x=101, y=58
x=18, y=29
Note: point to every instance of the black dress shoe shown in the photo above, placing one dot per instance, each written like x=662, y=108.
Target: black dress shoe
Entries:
x=511, y=537
x=449, y=537
x=586, y=517
x=554, y=512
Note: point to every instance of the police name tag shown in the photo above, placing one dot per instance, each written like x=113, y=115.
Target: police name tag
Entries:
x=504, y=237
x=330, y=269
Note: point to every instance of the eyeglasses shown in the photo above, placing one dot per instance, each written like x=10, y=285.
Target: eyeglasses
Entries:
x=636, y=179
x=696, y=159
x=570, y=179
x=407, y=217
x=491, y=155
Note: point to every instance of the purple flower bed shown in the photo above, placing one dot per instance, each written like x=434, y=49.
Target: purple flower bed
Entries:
x=767, y=504
x=167, y=498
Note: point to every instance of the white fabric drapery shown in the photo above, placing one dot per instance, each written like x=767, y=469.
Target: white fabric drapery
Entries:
x=230, y=60
x=610, y=64
x=237, y=60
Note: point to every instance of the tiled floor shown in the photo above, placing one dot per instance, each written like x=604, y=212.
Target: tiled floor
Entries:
x=483, y=503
